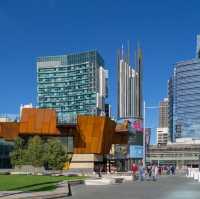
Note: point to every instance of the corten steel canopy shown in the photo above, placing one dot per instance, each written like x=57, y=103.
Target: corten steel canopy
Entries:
x=92, y=134
x=9, y=130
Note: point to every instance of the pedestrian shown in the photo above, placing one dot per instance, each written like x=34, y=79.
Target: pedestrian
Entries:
x=173, y=170
x=99, y=171
x=154, y=172
x=149, y=172
x=134, y=169
x=168, y=170
x=159, y=171
x=141, y=172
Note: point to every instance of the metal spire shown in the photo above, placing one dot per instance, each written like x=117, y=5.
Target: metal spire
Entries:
x=122, y=52
x=128, y=54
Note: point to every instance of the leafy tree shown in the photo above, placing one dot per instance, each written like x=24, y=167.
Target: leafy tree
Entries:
x=39, y=153
x=56, y=155
x=17, y=155
x=34, y=154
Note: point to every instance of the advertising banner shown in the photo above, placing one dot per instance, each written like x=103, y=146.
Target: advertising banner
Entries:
x=136, y=151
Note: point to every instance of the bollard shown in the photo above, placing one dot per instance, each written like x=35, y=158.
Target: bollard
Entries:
x=69, y=189
x=198, y=176
x=192, y=173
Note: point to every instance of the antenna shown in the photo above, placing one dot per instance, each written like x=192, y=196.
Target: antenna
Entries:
x=128, y=55
x=122, y=51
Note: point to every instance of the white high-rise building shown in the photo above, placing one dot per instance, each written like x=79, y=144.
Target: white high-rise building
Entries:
x=126, y=80
x=103, y=90
x=129, y=85
x=162, y=135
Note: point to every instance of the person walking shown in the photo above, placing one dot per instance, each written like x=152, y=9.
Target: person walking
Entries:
x=134, y=169
x=141, y=172
x=149, y=172
x=159, y=170
x=173, y=170
x=155, y=172
x=168, y=170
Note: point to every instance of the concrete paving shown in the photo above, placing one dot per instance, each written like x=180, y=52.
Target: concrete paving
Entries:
x=167, y=187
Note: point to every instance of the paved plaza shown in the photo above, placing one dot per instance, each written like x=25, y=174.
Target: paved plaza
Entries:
x=167, y=187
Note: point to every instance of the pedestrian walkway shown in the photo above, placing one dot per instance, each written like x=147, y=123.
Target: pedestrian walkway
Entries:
x=167, y=187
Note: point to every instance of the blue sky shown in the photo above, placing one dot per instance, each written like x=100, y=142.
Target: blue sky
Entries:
x=166, y=30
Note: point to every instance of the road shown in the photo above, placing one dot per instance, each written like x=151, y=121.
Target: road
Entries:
x=167, y=187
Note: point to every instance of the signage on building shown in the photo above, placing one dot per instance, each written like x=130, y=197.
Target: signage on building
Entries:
x=135, y=126
x=135, y=151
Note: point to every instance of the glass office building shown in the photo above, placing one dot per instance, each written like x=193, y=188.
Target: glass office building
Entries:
x=186, y=118
x=184, y=99
x=72, y=84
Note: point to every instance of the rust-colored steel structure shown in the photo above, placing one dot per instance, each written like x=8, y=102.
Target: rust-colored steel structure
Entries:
x=9, y=130
x=38, y=122
x=92, y=134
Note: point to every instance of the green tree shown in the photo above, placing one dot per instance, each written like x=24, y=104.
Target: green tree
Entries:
x=34, y=154
x=56, y=155
x=17, y=155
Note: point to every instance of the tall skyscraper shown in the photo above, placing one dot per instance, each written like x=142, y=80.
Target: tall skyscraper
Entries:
x=72, y=84
x=162, y=131
x=129, y=102
x=163, y=113
x=138, y=84
x=186, y=98
x=129, y=85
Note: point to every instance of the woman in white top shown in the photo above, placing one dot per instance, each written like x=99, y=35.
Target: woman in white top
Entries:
x=154, y=172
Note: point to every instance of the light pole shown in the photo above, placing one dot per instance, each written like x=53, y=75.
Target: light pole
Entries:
x=144, y=137
x=144, y=132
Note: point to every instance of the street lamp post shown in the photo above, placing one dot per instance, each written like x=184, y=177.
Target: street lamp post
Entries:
x=144, y=132
x=144, y=137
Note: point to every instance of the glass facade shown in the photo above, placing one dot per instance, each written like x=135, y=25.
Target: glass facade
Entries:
x=198, y=47
x=5, y=149
x=186, y=116
x=170, y=109
x=68, y=143
x=69, y=84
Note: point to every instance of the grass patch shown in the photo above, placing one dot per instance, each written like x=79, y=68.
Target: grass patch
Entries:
x=32, y=183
